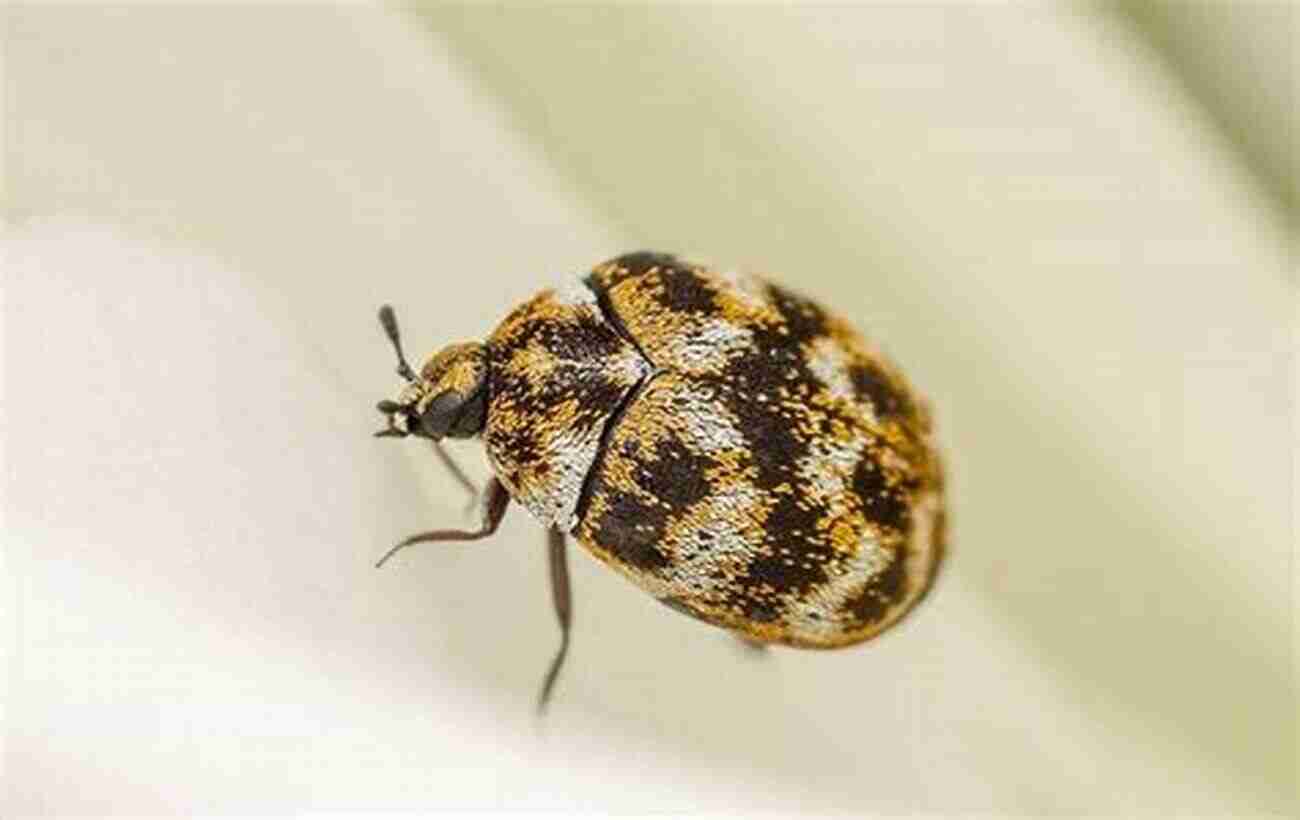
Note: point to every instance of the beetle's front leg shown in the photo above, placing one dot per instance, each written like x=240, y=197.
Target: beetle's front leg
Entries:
x=458, y=473
x=494, y=510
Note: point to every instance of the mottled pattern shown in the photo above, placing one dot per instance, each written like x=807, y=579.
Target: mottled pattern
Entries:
x=732, y=448
x=457, y=368
x=557, y=372
x=775, y=475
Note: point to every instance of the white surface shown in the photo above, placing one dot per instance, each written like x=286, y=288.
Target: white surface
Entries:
x=202, y=228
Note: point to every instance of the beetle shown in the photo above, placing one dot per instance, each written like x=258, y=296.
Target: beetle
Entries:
x=732, y=448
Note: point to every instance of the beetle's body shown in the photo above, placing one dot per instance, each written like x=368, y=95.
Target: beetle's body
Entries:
x=730, y=447
x=733, y=449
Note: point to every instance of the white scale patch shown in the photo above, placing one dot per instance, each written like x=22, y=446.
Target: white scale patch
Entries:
x=629, y=368
x=827, y=472
x=828, y=467
x=571, y=290
x=747, y=288
x=706, y=428
x=707, y=346
x=570, y=457
x=830, y=364
x=813, y=616
x=701, y=564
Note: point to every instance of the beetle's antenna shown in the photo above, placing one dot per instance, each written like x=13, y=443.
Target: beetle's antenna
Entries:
x=389, y=320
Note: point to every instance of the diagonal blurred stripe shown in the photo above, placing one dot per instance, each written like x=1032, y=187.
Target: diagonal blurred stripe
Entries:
x=1238, y=61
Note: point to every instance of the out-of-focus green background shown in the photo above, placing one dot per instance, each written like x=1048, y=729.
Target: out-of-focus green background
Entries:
x=1073, y=225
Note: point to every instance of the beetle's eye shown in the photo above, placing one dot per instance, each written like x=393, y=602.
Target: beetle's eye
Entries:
x=439, y=415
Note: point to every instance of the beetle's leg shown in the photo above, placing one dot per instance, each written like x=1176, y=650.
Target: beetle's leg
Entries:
x=457, y=473
x=563, y=609
x=495, y=509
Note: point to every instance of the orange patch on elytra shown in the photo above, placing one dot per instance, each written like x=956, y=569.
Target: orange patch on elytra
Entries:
x=846, y=534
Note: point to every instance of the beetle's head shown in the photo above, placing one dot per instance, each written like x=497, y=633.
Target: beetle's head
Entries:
x=447, y=398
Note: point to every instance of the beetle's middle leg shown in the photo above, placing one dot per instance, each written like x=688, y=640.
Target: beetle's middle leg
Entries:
x=563, y=601
x=458, y=473
x=495, y=509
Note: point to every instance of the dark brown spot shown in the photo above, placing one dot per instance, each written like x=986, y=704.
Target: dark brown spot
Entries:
x=804, y=319
x=687, y=292
x=789, y=523
x=629, y=265
x=642, y=261
x=677, y=475
x=880, y=594
x=786, y=574
x=773, y=442
x=876, y=387
x=795, y=562
x=632, y=530
x=884, y=504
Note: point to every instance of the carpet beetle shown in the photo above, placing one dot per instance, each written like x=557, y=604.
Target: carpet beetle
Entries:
x=733, y=449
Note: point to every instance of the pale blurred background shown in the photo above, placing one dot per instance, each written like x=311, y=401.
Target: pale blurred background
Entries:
x=1073, y=225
